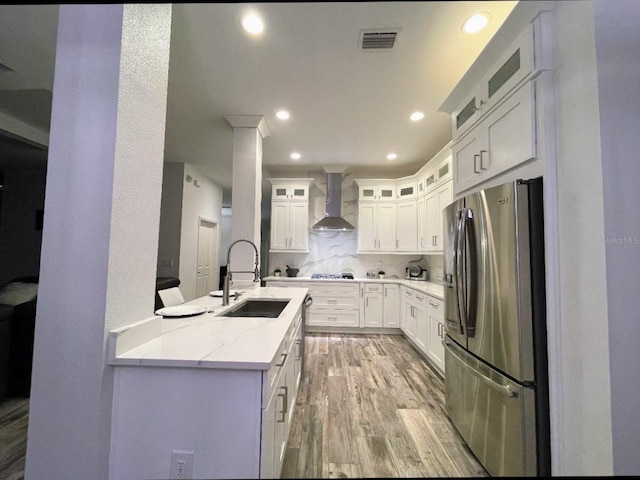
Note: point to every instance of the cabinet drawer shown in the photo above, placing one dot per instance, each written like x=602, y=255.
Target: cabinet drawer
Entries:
x=334, y=300
x=328, y=318
x=373, y=288
x=336, y=288
x=436, y=306
x=281, y=283
x=420, y=298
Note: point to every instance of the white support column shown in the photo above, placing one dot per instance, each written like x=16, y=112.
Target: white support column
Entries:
x=101, y=220
x=246, y=193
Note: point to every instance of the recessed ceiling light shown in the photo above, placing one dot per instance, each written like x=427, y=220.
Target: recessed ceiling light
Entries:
x=295, y=156
x=253, y=24
x=282, y=114
x=416, y=116
x=475, y=23
x=392, y=156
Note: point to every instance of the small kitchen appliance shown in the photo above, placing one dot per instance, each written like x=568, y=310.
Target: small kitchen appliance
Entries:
x=416, y=272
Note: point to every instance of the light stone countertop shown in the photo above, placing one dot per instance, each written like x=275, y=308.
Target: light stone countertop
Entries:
x=430, y=288
x=206, y=340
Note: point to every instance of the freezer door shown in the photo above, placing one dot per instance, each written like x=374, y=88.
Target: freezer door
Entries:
x=494, y=415
x=500, y=331
x=453, y=306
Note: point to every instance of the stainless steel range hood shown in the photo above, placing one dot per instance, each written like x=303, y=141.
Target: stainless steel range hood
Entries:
x=333, y=221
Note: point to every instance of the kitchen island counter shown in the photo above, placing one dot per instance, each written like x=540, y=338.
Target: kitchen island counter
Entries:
x=209, y=340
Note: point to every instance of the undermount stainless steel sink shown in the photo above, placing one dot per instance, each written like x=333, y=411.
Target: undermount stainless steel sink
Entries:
x=257, y=307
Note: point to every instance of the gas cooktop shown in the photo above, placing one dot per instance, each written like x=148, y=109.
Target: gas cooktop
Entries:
x=332, y=276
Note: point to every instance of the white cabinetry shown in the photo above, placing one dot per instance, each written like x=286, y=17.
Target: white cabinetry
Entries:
x=283, y=382
x=376, y=190
x=391, y=305
x=376, y=227
x=435, y=201
x=290, y=215
x=495, y=120
x=372, y=305
x=435, y=334
x=406, y=226
x=334, y=304
x=503, y=139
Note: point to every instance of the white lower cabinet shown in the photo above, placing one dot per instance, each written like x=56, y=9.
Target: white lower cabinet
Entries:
x=421, y=320
x=283, y=380
x=372, y=305
x=236, y=421
x=435, y=319
x=391, y=306
x=334, y=304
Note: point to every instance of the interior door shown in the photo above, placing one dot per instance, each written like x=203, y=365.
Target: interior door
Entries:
x=207, y=270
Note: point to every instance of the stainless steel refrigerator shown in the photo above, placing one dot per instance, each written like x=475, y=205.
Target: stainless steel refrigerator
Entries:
x=496, y=379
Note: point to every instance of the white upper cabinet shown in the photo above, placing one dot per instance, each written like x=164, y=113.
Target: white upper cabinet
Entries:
x=376, y=190
x=401, y=222
x=290, y=214
x=503, y=139
x=497, y=125
x=407, y=189
x=507, y=72
x=290, y=188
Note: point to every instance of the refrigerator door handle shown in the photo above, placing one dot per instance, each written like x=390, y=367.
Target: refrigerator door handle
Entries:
x=460, y=301
x=504, y=390
x=471, y=269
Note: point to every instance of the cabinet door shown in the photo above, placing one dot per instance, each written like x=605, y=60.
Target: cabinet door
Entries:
x=432, y=206
x=510, y=133
x=367, y=240
x=407, y=226
x=420, y=328
x=391, y=307
x=373, y=310
x=466, y=159
x=435, y=318
x=279, y=225
x=422, y=224
x=445, y=197
x=407, y=190
x=298, y=226
x=435, y=349
x=386, y=227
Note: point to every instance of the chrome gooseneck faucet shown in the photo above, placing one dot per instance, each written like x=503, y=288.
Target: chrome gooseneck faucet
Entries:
x=227, y=277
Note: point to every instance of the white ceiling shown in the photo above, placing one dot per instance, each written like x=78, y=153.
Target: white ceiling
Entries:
x=348, y=107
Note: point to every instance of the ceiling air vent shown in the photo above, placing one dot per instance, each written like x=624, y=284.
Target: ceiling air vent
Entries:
x=378, y=39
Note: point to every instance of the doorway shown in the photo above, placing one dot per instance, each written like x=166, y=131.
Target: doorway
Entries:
x=207, y=269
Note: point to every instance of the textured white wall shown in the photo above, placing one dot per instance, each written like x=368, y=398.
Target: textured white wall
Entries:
x=618, y=57
x=102, y=204
x=197, y=202
x=584, y=367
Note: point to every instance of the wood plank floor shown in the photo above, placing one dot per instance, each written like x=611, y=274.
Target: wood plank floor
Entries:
x=14, y=416
x=370, y=406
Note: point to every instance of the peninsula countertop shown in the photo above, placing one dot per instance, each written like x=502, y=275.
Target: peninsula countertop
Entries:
x=207, y=340
x=434, y=289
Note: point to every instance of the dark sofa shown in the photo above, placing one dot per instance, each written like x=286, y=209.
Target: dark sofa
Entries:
x=17, y=325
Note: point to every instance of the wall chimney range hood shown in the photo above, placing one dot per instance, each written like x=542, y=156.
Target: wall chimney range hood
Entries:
x=333, y=220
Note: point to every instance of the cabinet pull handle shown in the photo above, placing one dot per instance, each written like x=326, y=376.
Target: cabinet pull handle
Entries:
x=476, y=157
x=298, y=349
x=284, y=359
x=482, y=157
x=419, y=298
x=285, y=401
x=385, y=291
x=396, y=243
x=332, y=318
x=439, y=329
x=332, y=301
x=366, y=302
x=362, y=292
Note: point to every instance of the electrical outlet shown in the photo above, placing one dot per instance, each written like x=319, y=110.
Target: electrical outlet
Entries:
x=181, y=464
